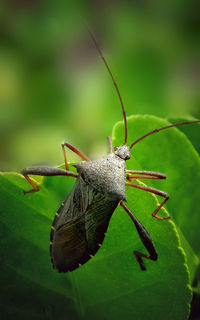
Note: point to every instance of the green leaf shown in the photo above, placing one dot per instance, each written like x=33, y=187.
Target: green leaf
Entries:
x=192, y=258
x=170, y=152
x=110, y=285
x=191, y=131
x=29, y=288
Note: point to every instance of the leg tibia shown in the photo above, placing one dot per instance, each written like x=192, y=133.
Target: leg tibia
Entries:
x=72, y=148
x=155, y=191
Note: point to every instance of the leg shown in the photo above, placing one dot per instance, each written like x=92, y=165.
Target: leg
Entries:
x=66, y=144
x=110, y=144
x=140, y=174
x=145, y=237
x=44, y=171
x=155, y=191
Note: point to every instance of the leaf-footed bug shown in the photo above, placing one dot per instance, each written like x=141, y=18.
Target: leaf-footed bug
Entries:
x=81, y=222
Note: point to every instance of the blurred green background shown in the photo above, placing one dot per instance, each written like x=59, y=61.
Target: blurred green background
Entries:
x=54, y=86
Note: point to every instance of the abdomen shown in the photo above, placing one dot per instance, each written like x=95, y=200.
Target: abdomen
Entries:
x=79, y=226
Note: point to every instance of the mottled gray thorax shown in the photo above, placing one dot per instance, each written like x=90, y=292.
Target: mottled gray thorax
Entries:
x=106, y=175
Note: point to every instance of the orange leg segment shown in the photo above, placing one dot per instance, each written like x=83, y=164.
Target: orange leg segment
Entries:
x=72, y=148
x=155, y=191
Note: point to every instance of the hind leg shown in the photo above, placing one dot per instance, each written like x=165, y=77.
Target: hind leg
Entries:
x=145, y=238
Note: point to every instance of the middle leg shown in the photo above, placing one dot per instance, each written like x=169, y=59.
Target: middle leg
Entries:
x=44, y=171
x=155, y=191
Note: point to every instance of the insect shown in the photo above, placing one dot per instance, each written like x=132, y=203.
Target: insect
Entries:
x=80, y=225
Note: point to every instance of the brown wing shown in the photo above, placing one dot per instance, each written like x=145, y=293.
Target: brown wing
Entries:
x=79, y=226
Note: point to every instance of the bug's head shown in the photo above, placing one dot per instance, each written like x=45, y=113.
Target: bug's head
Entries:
x=123, y=152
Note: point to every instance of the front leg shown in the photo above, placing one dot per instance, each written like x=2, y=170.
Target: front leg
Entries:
x=110, y=144
x=72, y=148
x=145, y=237
x=142, y=174
x=44, y=171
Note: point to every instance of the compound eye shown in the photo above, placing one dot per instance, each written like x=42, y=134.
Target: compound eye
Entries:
x=116, y=148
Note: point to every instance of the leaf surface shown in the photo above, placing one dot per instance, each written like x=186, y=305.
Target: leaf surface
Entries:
x=110, y=285
x=169, y=152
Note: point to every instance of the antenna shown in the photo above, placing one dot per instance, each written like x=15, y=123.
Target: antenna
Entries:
x=159, y=129
x=116, y=87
